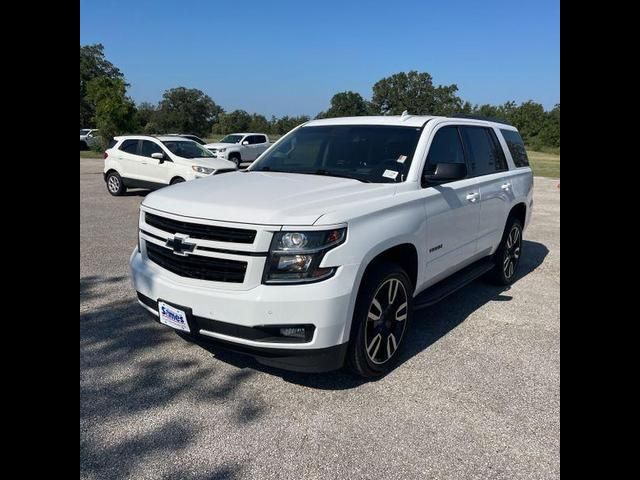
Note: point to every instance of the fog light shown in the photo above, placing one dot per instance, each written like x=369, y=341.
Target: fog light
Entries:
x=295, y=332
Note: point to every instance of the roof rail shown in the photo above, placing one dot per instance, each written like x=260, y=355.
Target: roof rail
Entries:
x=480, y=117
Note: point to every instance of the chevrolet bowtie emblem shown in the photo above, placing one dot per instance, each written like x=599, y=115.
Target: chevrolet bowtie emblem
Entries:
x=180, y=246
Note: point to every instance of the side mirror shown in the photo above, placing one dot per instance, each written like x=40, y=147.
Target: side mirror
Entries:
x=158, y=156
x=246, y=142
x=445, y=172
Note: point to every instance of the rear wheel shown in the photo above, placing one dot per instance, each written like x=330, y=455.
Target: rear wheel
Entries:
x=114, y=184
x=507, y=257
x=383, y=311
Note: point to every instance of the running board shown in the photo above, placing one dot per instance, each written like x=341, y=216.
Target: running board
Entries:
x=446, y=287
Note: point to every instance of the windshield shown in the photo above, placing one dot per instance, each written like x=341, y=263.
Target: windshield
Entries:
x=369, y=153
x=231, y=139
x=187, y=149
x=84, y=131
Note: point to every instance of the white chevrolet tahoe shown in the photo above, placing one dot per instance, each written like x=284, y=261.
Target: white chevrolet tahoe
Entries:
x=319, y=253
x=140, y=161
x=240, y=148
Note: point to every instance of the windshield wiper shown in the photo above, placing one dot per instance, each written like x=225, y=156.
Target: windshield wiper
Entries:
x=328, y=173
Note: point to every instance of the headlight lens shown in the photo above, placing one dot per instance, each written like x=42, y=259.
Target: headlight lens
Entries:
x=222, y=150
x=204, y=170
x=294, y=257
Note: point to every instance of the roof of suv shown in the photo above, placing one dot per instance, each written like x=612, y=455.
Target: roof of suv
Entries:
x=398, y=120
x=162, y=138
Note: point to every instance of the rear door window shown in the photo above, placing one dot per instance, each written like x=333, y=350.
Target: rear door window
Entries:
x=485, y=154
x=516, y=147
x=130, y=146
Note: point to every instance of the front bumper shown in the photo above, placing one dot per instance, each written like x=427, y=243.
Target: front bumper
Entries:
x=325, y=305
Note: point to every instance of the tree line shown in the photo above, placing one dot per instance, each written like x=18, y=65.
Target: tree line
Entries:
x=104, y=104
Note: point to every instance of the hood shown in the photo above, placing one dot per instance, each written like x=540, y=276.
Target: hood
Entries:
x=216, y=163
x=220, y=145
x=267, y=198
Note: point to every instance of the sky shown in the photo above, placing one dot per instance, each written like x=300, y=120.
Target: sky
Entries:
x=290, y=57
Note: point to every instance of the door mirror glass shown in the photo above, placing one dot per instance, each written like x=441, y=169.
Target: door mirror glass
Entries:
x=446, y=172
x=246, y=142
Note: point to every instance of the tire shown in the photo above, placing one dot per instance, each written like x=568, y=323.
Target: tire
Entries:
x=507, y=256
x=376, y=334
x=235, y=158
x=177, y=180
x=115, y=186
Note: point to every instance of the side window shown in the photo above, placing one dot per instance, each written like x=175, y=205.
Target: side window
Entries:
x=516, y=147
x=485, y=157
x=130, y=146
x=261, y=139
x=149, y=147
x=248, y=138
x=501, y=160
x=445, y=148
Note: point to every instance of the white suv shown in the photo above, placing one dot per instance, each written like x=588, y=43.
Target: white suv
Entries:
x=319, y=253
x=139, y=161
x=240, y=148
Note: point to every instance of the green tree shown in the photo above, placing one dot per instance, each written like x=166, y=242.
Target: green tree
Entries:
x=550, y=133
x=147, y=118
x=259, y=123
x=347, y=104
x=285, y=124
x=186, y=110
x=415, y=93
x=528, y=118
x=93, y=64
x=115, y=113
x=232, y=122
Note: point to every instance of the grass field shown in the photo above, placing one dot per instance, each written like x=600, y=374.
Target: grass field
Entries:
x=90, y=154
x=544, y=164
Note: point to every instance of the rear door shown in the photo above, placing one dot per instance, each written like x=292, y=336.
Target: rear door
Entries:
x=261, y=144
x=452, y=209
x=129, y=159
x=489, y=167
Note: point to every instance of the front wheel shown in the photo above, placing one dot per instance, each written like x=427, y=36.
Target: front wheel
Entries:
x=507, y=257
x=177, y=180
x=235, y=159
x=384, y=309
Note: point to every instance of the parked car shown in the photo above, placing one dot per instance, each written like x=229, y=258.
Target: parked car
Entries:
x=139, y=161
x=240, y=148
x=195, y=138
x=318, y=254
x=88, y=138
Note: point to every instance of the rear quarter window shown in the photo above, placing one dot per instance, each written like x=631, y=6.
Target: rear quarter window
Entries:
x=516, y=147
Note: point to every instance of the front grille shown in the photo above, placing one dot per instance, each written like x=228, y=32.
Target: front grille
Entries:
x=204, y=232
x=197, y=266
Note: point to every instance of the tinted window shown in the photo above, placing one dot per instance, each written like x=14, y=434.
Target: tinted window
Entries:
x=149, y=147
x=252, y=139
x=260, y=139
x=130, y=146
x=516, y=147
x=501, y=160
x=485, y=155
x=369, y=153
x=445, y=148
x=112, y=144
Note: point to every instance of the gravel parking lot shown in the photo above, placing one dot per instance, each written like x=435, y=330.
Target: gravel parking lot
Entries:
x=477, y=393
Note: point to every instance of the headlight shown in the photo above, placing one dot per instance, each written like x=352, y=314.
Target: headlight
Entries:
x=220, y=150
x=203, y=170
x=294, y=257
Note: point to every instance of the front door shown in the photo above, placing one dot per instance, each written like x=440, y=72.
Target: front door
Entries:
x=452, y=210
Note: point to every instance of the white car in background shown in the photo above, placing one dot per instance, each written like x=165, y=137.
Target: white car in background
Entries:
x=88, y=138
x=141, y=161
x=240, y=147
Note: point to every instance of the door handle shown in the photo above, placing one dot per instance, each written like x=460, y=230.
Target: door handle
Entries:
x=472, y=197
x=506, y=186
